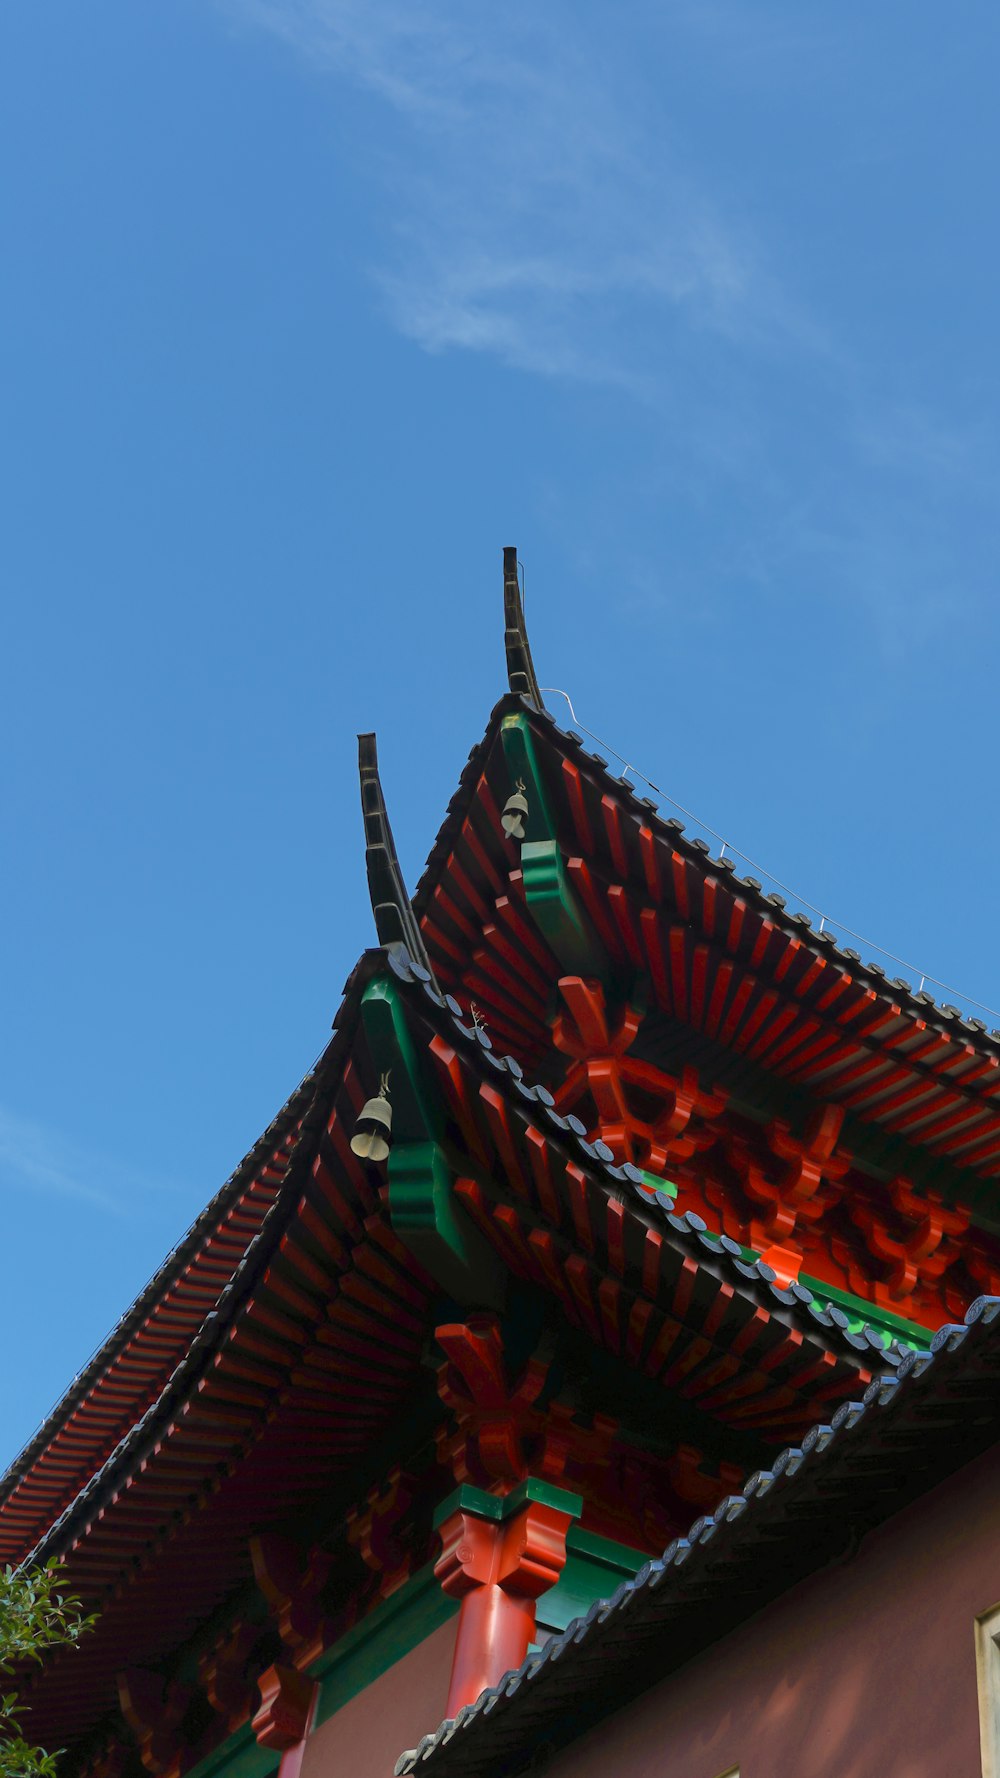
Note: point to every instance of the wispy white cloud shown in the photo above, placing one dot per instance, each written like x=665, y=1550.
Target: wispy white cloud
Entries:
x=38, y=1160
x=536, y=210
x=541, y=195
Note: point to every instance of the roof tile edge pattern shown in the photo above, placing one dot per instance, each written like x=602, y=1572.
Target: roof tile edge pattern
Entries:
x=158, y=1286
x=216, y=1322
x=918, y=1003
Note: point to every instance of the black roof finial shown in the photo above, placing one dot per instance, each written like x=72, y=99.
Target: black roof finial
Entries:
x=395, y=921
x=520, y=667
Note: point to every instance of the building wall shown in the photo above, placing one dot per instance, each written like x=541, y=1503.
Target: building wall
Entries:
x=867, y=1670
x=365, y=1737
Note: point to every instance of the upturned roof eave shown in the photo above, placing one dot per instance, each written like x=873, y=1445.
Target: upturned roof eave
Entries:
x=920, y=1005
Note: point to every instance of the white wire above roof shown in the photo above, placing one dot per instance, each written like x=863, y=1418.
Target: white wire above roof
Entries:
x=827, y=923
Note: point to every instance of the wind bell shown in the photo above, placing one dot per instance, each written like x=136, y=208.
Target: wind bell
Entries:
x=514, y=811
x=373, y=1135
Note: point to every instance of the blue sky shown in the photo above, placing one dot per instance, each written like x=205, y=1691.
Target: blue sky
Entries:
x=309, y=307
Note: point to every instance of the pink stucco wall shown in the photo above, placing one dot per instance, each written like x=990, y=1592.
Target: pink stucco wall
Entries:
x=867, y=1670
x=367, y=1735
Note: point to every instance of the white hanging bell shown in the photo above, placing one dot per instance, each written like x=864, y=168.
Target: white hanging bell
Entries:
x=373, y=1135
x=514, y=811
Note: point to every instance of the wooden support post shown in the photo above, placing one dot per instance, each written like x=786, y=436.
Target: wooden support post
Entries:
x=498, y=1556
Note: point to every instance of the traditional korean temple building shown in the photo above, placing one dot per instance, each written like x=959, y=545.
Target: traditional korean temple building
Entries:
x=627, y=1257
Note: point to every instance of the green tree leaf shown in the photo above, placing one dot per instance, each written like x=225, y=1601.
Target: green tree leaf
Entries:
x=34, y=1618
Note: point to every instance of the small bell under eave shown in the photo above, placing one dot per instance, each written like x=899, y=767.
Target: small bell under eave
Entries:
x=515, y=810
x=373, y=1135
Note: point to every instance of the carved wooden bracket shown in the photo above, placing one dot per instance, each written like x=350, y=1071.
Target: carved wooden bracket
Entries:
x=378, y=1531
x=223, y=1673
x=584, y=1029
x=697, y=1486
x=494, y=1416
x=292, y=1579
x=286, y=1705
x=984, y=1267
x=505, y=1431
x=654, y=1119
x=805, y=1187
x=920, y=1246
x=155, y=1713
x=568, y=1446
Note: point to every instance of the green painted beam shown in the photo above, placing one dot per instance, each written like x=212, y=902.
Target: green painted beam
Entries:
x=653, y=1180
x=426, y=1216
x=863, y=1314
x=547, y=889
x=239, y=1756
x=595, y=1568
x=502, y=1506
x=519, y=753
x=416, y=1105
x=859, y=1311
x=422, y=1206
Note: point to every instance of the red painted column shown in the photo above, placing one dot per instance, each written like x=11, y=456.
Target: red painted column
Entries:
x=498, y=1562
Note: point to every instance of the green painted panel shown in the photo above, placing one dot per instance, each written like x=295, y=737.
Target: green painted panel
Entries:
x=416, y=1113
x=519, y=753
x=863, y=1314
x=595, y=1568
x=501, y=1506
x=554, y=908
x=238, y=1757
x=434, y=1226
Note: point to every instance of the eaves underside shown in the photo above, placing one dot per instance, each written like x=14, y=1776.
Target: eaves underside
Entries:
x=918, y=1082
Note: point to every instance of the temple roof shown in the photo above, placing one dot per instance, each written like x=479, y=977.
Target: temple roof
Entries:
x=781, y=1000
x=316, y=1330
x=526, y=1109
x=293, y=1313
